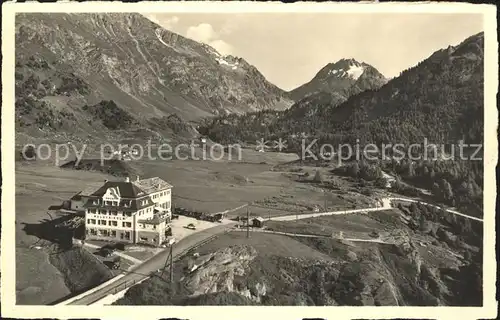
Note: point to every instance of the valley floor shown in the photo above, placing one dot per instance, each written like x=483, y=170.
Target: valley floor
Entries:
x=259, y=183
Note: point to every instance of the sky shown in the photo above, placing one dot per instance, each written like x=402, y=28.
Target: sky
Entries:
x=290, y=48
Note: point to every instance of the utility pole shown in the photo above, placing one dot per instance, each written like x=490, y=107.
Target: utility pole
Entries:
x=171, y=265
x=171, y=259
x=248, y=224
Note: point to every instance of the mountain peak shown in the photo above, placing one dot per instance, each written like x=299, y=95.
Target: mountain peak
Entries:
x=337, y=77
x=344, y=68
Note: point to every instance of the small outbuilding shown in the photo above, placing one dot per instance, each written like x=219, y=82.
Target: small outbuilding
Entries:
x=258, y=222
x=76, y=202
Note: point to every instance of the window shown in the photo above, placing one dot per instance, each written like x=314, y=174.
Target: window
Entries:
x=126, y=224
x=95, y=202
x=113, y=233
x=102, y=211
x=114, y=212
x=127, y=235
x=88, y=221
x=114, y=223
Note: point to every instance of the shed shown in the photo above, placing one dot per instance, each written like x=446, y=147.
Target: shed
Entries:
x=76, y=202
x=258, y=222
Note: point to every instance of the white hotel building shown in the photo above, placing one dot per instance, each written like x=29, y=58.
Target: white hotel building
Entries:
x=128, y=211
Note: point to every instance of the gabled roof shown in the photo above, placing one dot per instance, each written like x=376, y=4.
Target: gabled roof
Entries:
x=259, y=219
x=76, y=197
x=129, y=191
x=89, y=189
x=126, y=189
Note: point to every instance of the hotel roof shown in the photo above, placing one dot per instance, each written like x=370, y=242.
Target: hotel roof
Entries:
x=152, y=185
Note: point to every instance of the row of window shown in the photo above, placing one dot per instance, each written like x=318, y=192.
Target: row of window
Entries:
x=141, y=212
x=143, y=225
x=109, y=223
x=161, y=194
x=126, y=204
x=110, y=212
x=108, y=233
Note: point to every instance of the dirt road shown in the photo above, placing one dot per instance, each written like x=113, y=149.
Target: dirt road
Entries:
x=386, y=204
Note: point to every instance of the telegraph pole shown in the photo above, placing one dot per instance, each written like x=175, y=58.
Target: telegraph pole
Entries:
x=171, y=265
x=165, y=265
x=171, y=259
x=248, y=224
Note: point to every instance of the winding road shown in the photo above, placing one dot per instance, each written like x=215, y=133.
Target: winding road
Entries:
x=386, y=204
x=302, y=235
x=145, y=269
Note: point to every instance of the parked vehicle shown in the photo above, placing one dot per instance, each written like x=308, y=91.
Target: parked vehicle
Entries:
x=106, y=252
x=114, y=263
x=191, y=226
x=120, y=246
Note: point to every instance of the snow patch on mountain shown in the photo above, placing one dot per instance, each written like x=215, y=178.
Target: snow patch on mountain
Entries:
x=158, y=35
x=339, y=73
x=222, y=61
x=355, y=71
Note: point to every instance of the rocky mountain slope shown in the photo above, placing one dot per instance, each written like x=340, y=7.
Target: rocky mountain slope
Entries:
x=67, y=61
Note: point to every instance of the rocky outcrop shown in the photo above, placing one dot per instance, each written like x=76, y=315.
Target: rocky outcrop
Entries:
x=216, y=272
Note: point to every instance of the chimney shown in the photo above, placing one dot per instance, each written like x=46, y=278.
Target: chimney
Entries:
x=127, y=179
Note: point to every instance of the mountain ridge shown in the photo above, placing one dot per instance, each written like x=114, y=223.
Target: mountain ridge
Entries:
x=72, y=60
x=442, y=92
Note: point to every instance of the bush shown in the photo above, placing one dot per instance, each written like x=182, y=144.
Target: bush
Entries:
x=111, y=116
